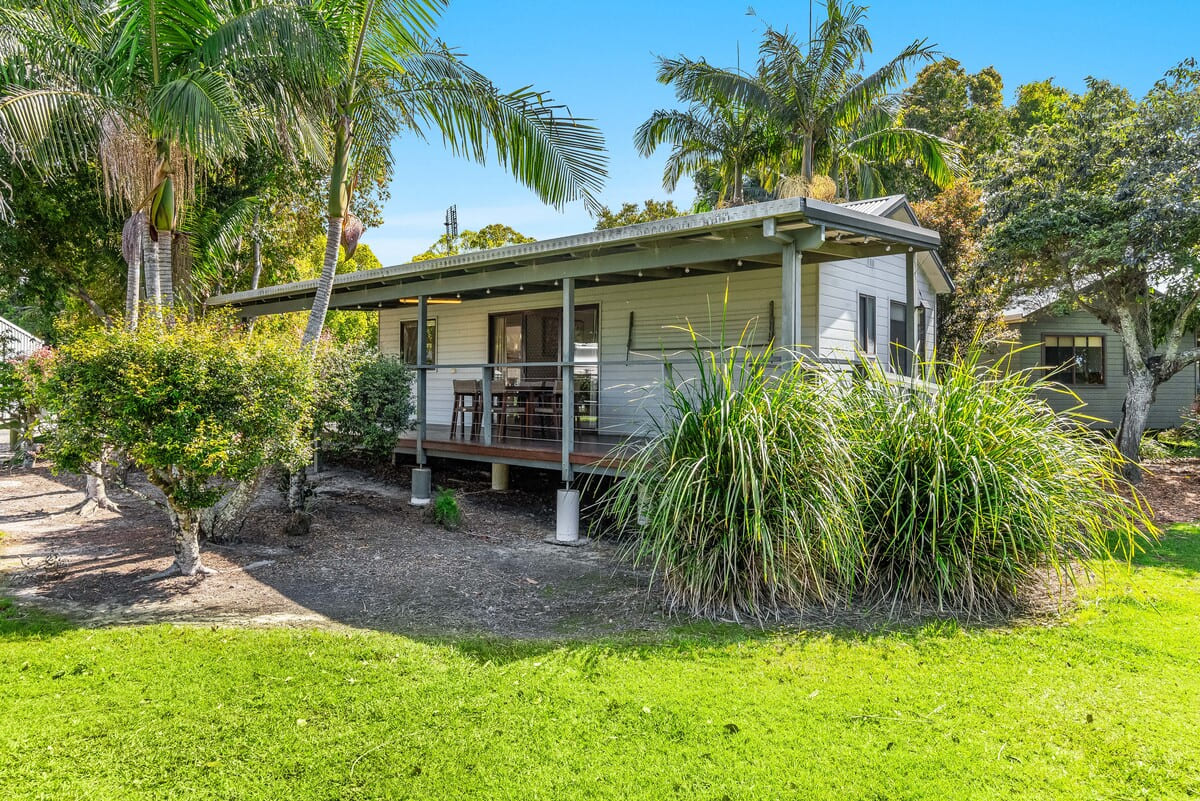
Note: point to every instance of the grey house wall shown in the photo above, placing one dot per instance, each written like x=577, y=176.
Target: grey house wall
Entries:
x=1104, y=401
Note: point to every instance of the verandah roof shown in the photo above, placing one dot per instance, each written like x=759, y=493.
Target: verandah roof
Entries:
x=725, y=240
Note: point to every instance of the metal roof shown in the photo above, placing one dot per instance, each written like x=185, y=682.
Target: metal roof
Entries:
x=751, y=232
x=879, y=206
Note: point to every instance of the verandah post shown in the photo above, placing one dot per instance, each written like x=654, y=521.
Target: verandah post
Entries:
x=792, y=288
x=910, y=309
x=421, y=477
x=567, y=370
x=566, y=527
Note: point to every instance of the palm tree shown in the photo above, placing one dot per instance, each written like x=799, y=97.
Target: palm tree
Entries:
x=156, y=91
x=714, y=135
x=826, y=110
x=391, y=78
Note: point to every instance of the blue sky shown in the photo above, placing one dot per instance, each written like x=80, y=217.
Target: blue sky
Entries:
x=599, y=58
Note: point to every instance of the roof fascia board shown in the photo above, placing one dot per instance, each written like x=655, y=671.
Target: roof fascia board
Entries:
x=843, y=219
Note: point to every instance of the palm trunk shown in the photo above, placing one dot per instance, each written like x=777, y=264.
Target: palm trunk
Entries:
x=1135, y=415
x=132, y=250
x=257, y=275
x=150, y=267
x=807, y=167
x=165, y=273
x=320, y=307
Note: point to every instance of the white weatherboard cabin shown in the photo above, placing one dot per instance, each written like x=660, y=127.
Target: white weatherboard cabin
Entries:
x=501, y=337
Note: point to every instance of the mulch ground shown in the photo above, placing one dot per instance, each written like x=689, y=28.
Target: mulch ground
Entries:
x=371, y=560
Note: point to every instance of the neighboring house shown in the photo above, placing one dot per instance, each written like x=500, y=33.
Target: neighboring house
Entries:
x=15, y=341
x=1092, y=358
x=831, y=279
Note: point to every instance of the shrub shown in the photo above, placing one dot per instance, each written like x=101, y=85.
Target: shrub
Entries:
x=196, y=405
x=22, y=398
x=445, y=510
x=364, y=396
x=744, y=494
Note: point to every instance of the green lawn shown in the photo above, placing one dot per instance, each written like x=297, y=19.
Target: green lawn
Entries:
x=1105, y=705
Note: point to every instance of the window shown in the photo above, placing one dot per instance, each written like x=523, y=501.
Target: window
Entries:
x=898, y=346
x=922, y=331
x=1080, y=358
x=408, y=341
x=866, y=324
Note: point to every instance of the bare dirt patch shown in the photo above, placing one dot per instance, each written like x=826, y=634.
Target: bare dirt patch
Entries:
x=1173, y=490
x=370, y=560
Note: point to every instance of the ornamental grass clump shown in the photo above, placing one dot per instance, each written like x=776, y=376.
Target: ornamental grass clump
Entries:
x=744, y=496
x=973, y=486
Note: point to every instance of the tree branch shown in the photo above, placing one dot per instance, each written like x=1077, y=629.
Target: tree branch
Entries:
x=1175, y=336
x=120, y=482
x=1130, y=335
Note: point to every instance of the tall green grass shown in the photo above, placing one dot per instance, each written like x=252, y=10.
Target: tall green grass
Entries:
x=768, y=482
x=744, y=494
x=975, y=485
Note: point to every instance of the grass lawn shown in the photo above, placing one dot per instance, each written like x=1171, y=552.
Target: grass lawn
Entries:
x=1105, y=705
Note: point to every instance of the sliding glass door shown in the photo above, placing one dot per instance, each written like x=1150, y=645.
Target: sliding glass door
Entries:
x=535, y=335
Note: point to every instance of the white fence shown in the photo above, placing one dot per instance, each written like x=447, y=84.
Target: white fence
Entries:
x=15, y=341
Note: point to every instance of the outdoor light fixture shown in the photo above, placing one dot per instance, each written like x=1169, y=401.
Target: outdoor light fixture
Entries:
x=639, y=273
x=521, y=287
x=687, y=269
x=739, y=262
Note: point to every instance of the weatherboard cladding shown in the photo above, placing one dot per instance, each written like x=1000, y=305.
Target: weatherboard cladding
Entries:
x=630, y=382
x=1173, y=398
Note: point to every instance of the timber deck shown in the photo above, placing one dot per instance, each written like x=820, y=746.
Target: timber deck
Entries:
x=593, y=453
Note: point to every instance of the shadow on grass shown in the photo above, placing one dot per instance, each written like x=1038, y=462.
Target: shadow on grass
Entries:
x=1177, y=550
x=23, y=622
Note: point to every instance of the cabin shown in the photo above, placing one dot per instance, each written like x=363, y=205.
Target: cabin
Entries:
x=552, y=353
x=1089, y=359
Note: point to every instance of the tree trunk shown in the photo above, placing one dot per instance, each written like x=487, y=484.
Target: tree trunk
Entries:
x=1135, y=414
x=215, y=522
x=96, y=493
x=316, y=318
x=185, y=528
x=165, y=275
x=150, y=268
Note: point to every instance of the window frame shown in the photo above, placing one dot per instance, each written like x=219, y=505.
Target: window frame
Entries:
x=431, y=323
x=900, y=354
x=1056, y=376
x=871, y=348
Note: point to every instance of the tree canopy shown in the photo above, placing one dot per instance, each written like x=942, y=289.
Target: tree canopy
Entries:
x=1101, y=205
x=631, y=213
x=495, y=235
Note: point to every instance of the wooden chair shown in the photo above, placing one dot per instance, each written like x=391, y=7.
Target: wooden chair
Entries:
x=547, y=408
x=468, y=397
x=500, y=409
